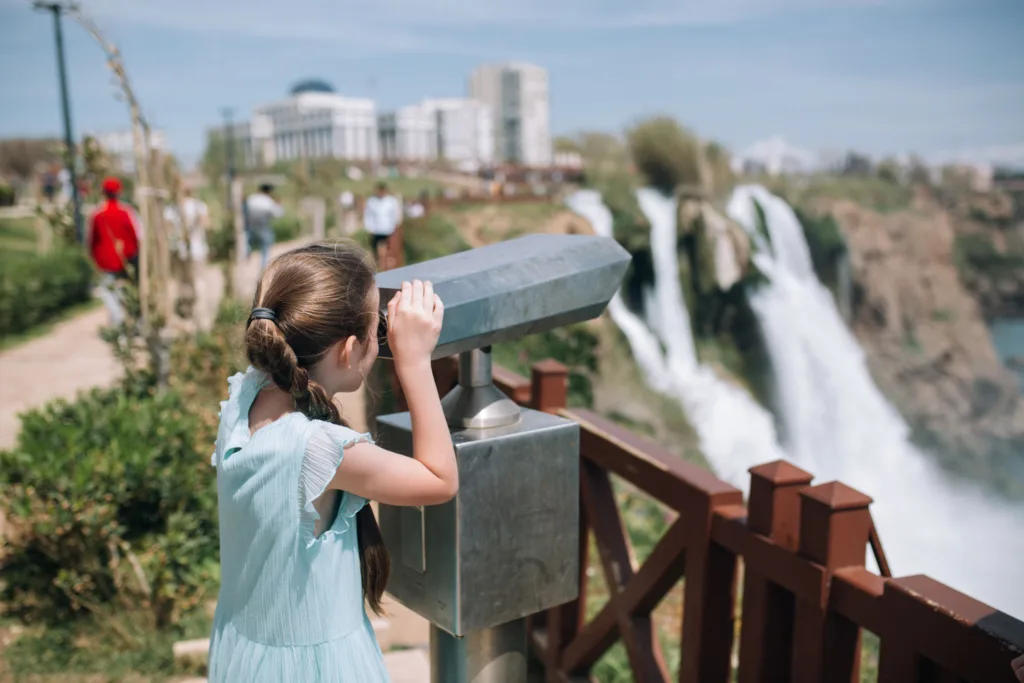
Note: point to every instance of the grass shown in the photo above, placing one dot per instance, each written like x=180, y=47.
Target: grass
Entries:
x=872, y=192
x=18, y=234
x=88, y=651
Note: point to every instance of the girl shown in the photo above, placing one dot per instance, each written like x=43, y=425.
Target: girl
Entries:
x=300, y=550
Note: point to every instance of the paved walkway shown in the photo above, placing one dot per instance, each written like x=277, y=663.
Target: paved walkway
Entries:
x=73, y=358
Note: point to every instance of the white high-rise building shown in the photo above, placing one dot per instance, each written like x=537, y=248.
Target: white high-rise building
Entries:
x=455, y=130
x=313, y=122
x=518, y=96
x=119, y=144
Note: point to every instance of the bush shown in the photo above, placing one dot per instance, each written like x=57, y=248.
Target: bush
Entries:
x=665, y=153
x=974, y=252
x=287, y=228
x=6, y=194
x=430, y=237
x=574, y=346
x=111, y=502
x=36, y=287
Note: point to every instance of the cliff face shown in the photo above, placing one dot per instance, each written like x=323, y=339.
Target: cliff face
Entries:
x=927, y=343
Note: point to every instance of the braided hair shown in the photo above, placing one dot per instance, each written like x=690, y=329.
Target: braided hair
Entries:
x=319, y=295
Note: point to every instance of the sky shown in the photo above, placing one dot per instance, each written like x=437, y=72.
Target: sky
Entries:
x=943, y=78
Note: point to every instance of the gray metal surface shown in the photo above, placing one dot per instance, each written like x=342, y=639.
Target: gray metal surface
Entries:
x=507, y=546
x=491, y=655
x=511, y=289
x=476, y=403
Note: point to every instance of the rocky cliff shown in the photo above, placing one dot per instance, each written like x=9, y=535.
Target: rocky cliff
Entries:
x=926, y=341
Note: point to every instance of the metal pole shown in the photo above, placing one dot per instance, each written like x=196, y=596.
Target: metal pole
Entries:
x=229, y=153
x=69, y=140
x=490, y=655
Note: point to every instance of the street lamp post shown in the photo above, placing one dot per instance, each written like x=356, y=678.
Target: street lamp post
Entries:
x=229, y=150
x=56, y=8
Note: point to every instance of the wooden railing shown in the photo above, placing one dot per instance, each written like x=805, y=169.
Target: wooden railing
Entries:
x=806, y=592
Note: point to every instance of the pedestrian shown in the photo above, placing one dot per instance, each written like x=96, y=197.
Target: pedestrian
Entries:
x=381, y=217
x=114, y=246
x=196, y=219
x=348, y=212
x=260, y=211
x=300, y=549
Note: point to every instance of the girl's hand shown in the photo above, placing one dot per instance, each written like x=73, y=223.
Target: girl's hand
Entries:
x=414, y=323
x=1018, y=667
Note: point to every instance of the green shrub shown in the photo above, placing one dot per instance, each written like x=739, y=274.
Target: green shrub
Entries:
x=665, y=153
x=825, y=243
x=976, y=252
x=6, y=194
x=111, y=503
x=36, y=287
x=574, y=346
x=287, y=228
x=430, y=237
x=221, y=241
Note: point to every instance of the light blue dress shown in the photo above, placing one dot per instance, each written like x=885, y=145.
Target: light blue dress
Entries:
x=290, y=605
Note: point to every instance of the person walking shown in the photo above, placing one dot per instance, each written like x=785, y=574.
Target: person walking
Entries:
x=114, y=246
x=196, y=219
x=381, y=217
x=261, y=208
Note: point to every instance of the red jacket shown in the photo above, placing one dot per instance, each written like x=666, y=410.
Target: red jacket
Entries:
x=114, y=238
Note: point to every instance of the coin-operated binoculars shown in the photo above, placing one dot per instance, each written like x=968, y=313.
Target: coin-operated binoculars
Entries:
x=507, y=546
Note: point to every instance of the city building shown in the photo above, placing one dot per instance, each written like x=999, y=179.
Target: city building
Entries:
x=518, y=97
x=456, y=131
x=120, y=146
x=312, y=122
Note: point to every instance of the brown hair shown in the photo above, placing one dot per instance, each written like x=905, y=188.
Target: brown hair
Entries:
x=319, y=295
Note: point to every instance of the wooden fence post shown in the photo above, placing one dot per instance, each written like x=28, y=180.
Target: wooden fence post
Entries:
x=548, y=393
x=709, y=598
x=549, y=386
x=766, y=636
x=835, y=524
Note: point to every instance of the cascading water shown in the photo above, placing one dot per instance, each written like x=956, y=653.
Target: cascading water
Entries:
x=838, y=425
x=735, y=432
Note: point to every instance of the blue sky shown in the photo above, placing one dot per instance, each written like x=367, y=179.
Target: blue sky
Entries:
x=882, y=76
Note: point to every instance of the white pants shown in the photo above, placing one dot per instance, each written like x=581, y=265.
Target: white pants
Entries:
x=111, y=297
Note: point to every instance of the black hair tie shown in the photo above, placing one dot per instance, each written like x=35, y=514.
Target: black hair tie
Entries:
x=261, y=314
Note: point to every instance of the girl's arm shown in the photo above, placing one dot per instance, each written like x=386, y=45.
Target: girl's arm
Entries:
x=431, y=475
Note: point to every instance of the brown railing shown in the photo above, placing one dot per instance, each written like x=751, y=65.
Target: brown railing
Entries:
x=806, y=592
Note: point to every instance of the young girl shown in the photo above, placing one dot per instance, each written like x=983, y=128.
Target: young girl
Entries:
x=300, y=549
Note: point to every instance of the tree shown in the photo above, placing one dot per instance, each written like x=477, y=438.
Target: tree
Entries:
x=667, y=154
x=20, y=157
x=857, y=165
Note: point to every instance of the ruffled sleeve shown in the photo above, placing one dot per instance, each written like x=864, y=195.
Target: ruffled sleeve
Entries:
x=324, y=452
x=242, y=388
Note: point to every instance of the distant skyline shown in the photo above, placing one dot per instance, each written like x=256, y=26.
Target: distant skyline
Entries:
x=942, y=78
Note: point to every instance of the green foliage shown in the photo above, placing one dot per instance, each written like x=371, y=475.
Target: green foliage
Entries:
x=825, y=242
x=36, y=287
x=6, y=194
x=974, y=252
x=629, y=225
x=429, y=237
x=221, y=241
x=666, y=154
x=872, y=192
x=113, y=504
x=574, y=346
x=121, y=647
x=287, y=228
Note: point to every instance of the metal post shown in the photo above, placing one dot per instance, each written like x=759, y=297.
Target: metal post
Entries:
x=490, y=655
x=476, y=403
x=69, y=139
x=229, y=152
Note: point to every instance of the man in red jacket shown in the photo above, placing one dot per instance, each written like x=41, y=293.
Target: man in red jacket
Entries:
x=114, y=246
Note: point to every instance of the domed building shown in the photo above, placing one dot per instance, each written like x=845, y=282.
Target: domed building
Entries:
x=313, y=122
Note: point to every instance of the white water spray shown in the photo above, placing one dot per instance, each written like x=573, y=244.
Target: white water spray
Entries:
x=838, y=425
x=735, y=432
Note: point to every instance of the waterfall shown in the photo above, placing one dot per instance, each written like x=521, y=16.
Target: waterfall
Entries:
x=838, y=425
x=735, y=433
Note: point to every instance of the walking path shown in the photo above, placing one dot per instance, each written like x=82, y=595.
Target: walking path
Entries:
x=73, y=358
